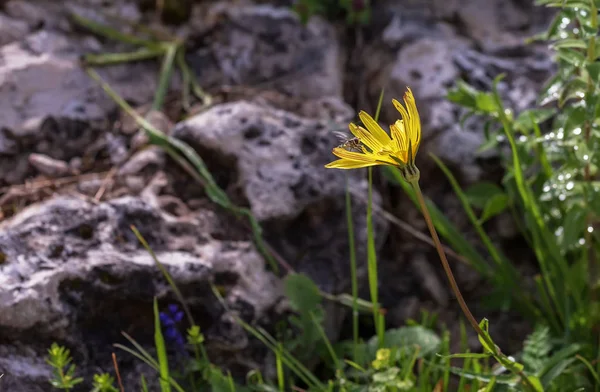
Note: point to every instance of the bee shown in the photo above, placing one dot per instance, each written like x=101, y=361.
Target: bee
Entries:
x=350, y=144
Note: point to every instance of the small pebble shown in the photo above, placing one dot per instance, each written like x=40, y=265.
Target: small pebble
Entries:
x=49, y=166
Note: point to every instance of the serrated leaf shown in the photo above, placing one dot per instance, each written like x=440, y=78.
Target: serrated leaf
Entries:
x=303, y=293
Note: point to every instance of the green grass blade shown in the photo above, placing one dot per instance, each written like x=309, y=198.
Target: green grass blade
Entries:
x=110, y=33
x=165, y=273
x=292, y=363
x=164, y=80
x=161, y=351
x=279, y=365
x=105, y=59
x=152, y=363
x=143, y=382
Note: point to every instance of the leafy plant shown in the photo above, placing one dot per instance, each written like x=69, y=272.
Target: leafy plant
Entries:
x=63, y=369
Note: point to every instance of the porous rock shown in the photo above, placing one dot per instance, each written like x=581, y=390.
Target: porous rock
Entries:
x=277, y=160
x=74, y=272
x=269, y=46
x=45, y=85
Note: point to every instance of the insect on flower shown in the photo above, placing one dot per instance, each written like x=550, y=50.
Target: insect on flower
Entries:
x=348, y=143
x=375, y=146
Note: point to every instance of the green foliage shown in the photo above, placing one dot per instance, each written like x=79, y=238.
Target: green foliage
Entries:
x=104, y=383
x=63, y=370
x=305, y=299
x=536, y=348
x=549, y=186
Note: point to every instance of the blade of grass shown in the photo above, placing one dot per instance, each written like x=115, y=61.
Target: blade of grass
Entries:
x=165, y=273
x=279, y=365
x=161, y=351
x=111, y=33
x=191, y=80
x=292, y=363
x=143, y=382
x=152, y=363
x=105, y=59
x=166, y=71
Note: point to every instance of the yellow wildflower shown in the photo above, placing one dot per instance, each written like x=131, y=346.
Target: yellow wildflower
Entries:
x=378, y=148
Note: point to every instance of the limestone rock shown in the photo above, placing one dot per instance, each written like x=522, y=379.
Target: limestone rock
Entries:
x=268, y=46
x=74, y=272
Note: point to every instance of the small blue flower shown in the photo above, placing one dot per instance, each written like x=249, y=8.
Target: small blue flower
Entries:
x=169, y=321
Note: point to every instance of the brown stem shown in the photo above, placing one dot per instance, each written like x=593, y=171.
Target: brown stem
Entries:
x=446, y=265
x=461, y=301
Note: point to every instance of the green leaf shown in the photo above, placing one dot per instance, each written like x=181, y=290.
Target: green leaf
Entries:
x=484, y=325
x=466, y=355
x=490, y=386
x=575, y=89
x=406, y=339
x=571, y=56
x=303, y=293
x=161, y=352
x=486, y=103
x=527, y=118
x=574, y=225
x=463, y=94
x=593, y=70
x=494, y=206
x=480, y=193
x=551, y=90
x=386, y=376
x=570, y=43
x=537, y=384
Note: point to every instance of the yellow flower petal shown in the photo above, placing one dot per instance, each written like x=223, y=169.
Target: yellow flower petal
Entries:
x=365, y=137
x=377, y=132
x=348, y=164
x=415, y=121
x=399, y=135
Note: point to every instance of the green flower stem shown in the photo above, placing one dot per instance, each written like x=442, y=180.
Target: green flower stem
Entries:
x=414, y=182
